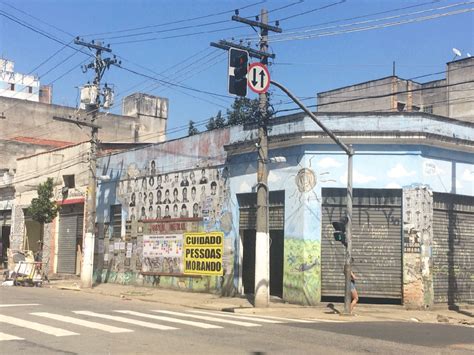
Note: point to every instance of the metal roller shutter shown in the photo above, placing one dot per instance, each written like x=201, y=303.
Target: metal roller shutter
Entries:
x=376, y=243
x=70, y=229
x=453, y=248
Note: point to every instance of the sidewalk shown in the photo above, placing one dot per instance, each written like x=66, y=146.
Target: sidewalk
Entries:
x=322, y=312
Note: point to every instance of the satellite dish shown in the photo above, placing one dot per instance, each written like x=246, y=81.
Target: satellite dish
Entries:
x=468, y=55
x=457, y=52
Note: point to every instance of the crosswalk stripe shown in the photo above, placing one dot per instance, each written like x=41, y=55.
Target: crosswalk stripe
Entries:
x=82, y=322
x=35, y=326
x=125, y=320
x=283, y=319
x=18, y=305
x=256, y=319
x=174, y=320
x=211, y=319
x=4, y=336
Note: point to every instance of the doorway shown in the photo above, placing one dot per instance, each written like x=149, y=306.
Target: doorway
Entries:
x=5, y=244
x=247, y=227
x=276, y=262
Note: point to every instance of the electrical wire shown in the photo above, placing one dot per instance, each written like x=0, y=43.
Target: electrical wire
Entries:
x=367, y=15
x=313, y=10
x=374, y=27
x=38, y=19
x=180, y=35
x=43, y=33
x=175, y=22
x=375, y=20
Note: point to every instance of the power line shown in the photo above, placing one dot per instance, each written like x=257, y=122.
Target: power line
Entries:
x=313, y=10
x=377, y=19
x=366, y=15
x=50, y=37
x=174, y=84
x=42, y=33
x=175, y=22
x=38, y=19
x=178, y=36
x=374, y=27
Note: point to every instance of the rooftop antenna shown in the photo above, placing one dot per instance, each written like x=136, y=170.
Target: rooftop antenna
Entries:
x=457, y=53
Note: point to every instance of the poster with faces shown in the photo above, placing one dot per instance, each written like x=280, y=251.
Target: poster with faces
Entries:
x=187, y=194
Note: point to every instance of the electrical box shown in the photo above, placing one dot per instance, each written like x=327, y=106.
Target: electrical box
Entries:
x=108, y=97
x=89, y=94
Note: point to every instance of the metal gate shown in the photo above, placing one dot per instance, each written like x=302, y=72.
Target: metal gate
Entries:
x=247, y=227
x=376, y=242
x=70, y=232
x=453, y=248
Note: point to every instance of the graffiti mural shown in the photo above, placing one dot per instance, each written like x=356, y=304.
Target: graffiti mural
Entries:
x=302, y=272
x=157, y=209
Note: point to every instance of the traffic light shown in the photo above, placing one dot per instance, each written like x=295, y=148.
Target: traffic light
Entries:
x=340, y=230
x=238, y=67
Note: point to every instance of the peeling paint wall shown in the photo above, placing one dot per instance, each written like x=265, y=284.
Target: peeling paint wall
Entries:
x=417, y=244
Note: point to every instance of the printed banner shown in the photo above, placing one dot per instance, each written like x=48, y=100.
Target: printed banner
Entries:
x=163, y=254
x=203, y=253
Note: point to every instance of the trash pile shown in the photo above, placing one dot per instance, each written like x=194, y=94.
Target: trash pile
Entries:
x=23, y=269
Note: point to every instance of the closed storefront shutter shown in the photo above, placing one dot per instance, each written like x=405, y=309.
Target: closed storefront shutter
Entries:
x=70, y=235
x=453, y=248
x=376, y=242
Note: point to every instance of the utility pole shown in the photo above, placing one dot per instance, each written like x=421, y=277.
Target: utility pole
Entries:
x=92, y=106
x=262, y=242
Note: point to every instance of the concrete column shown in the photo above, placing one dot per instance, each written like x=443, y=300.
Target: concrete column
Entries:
x=17, y=233
x=417, y=245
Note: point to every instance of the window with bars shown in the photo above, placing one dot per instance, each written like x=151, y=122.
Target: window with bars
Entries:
x=116, y=220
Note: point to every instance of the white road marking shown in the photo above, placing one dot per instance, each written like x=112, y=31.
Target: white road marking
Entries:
x=18, y=305
x=175, y=320
x=35, y=326
x=125, y=320
x=211, y=319
x=314, y=320
x=82, y=322
x=243, y=317
x=259, y=318
x=4, y=336
x=291, y=320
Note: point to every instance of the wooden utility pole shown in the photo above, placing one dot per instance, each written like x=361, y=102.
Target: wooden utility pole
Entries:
x=99, y=65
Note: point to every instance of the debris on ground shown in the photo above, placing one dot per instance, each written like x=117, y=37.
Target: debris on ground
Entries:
x=442, y=319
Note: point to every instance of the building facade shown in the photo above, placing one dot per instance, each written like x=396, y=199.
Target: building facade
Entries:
x=410, y=170
x=27, y=128
x=449, y=97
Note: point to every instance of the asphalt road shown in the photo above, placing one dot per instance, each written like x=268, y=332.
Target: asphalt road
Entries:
x=50, y=321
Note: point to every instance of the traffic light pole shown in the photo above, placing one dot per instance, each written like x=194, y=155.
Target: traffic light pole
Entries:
x=350, y=153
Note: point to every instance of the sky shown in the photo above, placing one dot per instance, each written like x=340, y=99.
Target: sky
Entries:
x=165, y=47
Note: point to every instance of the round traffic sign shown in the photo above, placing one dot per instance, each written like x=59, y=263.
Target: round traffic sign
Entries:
x=258, y=78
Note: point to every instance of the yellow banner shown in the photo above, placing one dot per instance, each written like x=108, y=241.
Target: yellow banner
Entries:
x=203, y=253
